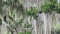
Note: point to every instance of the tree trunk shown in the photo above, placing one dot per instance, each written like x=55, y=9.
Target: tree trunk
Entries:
x=40, y=23
x=3, y=28
x=53, y=22
x=48, y=24
x=45, y=23
x=34, y=31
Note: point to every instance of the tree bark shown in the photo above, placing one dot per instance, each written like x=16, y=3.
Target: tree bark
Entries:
x=34, y=24
x=45, y=24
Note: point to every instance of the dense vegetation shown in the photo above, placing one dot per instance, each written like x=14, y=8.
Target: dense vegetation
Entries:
x=15, y=16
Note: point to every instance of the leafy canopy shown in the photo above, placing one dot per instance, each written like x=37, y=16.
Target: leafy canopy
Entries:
x=50, y=6
x=32, y=12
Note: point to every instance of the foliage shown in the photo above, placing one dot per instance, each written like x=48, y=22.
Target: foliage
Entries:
x=27, y=32
x=58, y=32
x=27, y=25
x=20, y=21
x=50, y=6
x=57, y=28
x=7, y=32
x=58, y=8
x=21, y=33
x=32, y=12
